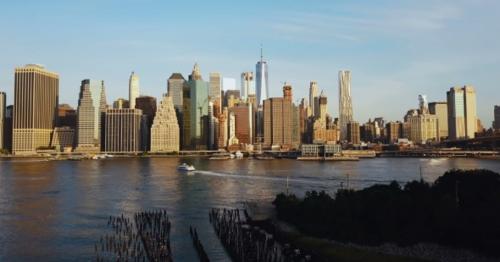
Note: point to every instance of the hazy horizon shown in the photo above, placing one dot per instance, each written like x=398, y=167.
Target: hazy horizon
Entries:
x=395, y=51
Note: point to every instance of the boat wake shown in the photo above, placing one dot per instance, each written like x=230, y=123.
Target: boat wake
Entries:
x=266, y=178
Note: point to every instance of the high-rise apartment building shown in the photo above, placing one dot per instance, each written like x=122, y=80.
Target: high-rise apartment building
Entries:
x=91, y=106
x=345, y=102
x=462, y=117
x=313, y=96
x=440, y=110
x=3, y=107
x=175, y=87
x=165, y=129
x=133, y=89
x=496, y=113
x=214, y=93
x=199, y=109
x=353, y=133
x=261, y=80
x=122, y=130
x=36, y=93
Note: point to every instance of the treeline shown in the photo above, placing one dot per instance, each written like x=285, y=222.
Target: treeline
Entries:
x=460, y=209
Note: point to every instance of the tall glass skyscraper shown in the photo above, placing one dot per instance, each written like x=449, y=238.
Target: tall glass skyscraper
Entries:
x=345, y=102
x=261, y=80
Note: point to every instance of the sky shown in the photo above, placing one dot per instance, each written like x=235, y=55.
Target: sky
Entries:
x=395, y=50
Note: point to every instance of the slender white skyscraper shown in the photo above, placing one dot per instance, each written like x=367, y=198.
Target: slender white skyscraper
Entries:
x=313, y=96
x=262, y=81
x=345, y=102
x=133, y=89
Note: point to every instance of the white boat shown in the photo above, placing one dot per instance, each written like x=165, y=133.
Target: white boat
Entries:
x=185, y=167
x=239, y=155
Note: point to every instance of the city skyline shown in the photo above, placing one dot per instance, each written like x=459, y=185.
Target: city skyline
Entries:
x=389, y=59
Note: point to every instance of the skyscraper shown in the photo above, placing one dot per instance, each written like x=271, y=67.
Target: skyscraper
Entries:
x=199, y=109
x=91, y=105
x=462, y=118
x=165, y=128
x=3, y=107
x=148, y=106
x=261, y=80
x=278, y=119
x=214, y=93
x=247, y=85
x=353, y=135
x=496, y=112
x=313, y=94
x=345, y=102
x=122, y=130
x=440, y=109
x=133, y=89
x=175, y=85
x=36, y=93
x=244, y=121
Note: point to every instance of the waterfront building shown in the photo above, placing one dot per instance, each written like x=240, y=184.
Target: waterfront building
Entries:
x=345, y=102
x=175, y=87
x=320, y=150
x=66, y=116
x=36, y=93
x=423, y=126
x=278, y=119
x=462, y=117
x=296, y=125
x=121, y=103
x=122, y=130
x=244, y=122
x=368, y=132
x=148, y=106
x=199, y=109
x=440, y=110
x=3, y=107
x=63, y=138
x=394, y=131
x=353, y=133
x=165, y=132
x=91, y=105
x=303, y=119
x=247, y=85
x=313, y=96
x=496, y=113
x=261, y=80
x=133, y=89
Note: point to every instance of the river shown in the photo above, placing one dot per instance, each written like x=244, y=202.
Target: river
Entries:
x=56, y=210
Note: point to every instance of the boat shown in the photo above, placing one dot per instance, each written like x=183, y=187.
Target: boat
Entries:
x=220, y=157
x=185, y=167
x=238, y=154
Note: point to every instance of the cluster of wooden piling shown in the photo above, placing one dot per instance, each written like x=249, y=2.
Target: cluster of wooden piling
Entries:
x=244, y=242
x=145, y=238
x=202, y=255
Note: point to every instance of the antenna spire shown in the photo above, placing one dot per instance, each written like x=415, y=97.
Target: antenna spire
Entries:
x=261, y=56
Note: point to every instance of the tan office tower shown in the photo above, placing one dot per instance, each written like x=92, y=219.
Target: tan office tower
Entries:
x=121, y=103
x=36, y=93
x=215, y=87
x=278, y=119
x=122, y=130
x=91, y=105
x=353, y=133
x=165, y=129
x=440, y=110
x=3, y=107
x=462, y=117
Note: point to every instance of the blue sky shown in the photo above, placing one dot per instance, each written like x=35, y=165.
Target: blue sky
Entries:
x=395, y=49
